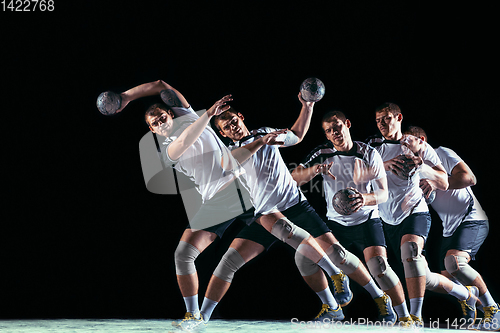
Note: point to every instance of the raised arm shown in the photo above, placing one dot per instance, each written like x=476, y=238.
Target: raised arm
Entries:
x=193, y=131
x=169, y=94
x=302, y=123
x=244, y=153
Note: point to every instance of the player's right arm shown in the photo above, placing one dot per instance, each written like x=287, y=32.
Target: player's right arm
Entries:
x=244, y=153
x=303, y=175
x=171, y=96
x=193, y=131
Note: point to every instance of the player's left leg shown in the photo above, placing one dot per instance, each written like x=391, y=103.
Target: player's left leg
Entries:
x=239, y=252
x=191, y=244
x=286, y=231
x=457, y=265
x=466, y=296
x=415, y=267
x=393, y=293
x=316, y=280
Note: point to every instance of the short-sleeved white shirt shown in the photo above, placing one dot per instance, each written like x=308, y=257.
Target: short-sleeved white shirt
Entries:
x=405, y=196
x=272, y=187
x=202, y=161
x=456, y=205
x=356, y=168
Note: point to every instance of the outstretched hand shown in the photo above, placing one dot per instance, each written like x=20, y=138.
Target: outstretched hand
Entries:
x=272, y=138
x=219, y=106
x=325, y=169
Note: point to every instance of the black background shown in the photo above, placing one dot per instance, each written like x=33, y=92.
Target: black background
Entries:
x=80, y=234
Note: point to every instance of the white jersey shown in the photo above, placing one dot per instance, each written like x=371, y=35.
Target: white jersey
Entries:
x=457, y=205
x=272, y=187
x=405, y=195
x=202, y=161
x=356, y=168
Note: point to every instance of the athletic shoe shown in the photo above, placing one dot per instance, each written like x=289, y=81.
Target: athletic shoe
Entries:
x=187, y=316
x=386, y=312
x=417, y=321
x=330, y=314
x=469, y=305
x=342, y=292
x=406, y=322
x=491, y=321
x=192, y=324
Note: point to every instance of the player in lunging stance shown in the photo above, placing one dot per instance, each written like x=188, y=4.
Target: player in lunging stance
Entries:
x=193, y=148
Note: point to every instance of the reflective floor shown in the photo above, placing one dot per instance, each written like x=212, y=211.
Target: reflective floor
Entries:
x=214, y=326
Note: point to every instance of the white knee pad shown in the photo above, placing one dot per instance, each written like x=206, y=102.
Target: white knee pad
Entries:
x=382, y=272
x=184, y=256
x=458, y=267
x=231, y=261
x=414, y=263
x=305, y=265
x=342, y=258
x=289, y=233
x=431, y=280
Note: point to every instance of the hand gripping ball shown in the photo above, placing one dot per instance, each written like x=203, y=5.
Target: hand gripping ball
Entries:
x=109, y=102
x=312, y=89
x=342, y=202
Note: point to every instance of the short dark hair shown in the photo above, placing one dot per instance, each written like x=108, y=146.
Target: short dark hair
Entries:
x=416, y=131
x=334, y=113
x=226, y=115
x=155, y=108
x=390, y=107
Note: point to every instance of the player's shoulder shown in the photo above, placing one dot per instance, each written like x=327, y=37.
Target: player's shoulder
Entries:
x=325, y=147
x=444, y=152
x=374, y=140
x=322, y=149
x=264, y=129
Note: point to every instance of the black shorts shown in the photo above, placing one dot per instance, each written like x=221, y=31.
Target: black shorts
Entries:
x=301, y=214
x=217, y=214
x=416, y=224
x=361, y=236
x=468, y=237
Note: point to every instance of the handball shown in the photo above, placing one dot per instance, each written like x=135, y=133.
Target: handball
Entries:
x=312, y=89
x=109, y=102
x=342, y=202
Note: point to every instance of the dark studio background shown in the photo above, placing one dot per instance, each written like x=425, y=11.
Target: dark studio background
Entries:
x=80, y=234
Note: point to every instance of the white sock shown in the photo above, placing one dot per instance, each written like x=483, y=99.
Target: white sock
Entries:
x=326, y=297
x=328, y=266
x=192, y=304
x=416, y=306
x=459, y=292
x=401, y=310
x=486, y=299
x=207, y=308
x=373, y=289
